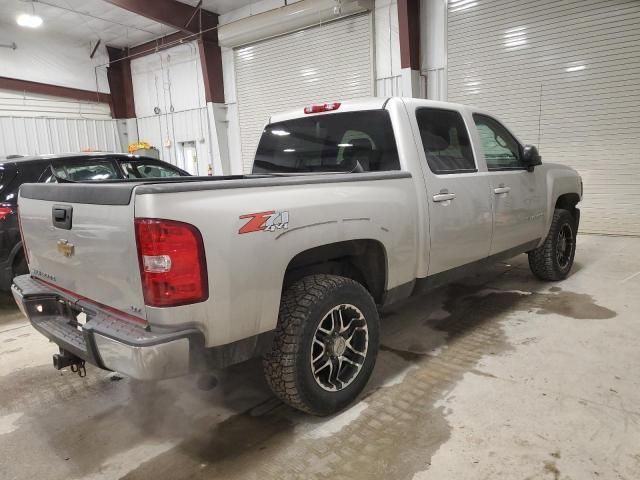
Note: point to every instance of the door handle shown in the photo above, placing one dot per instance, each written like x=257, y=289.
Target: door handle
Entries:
x=501, y=189
x=443, y=197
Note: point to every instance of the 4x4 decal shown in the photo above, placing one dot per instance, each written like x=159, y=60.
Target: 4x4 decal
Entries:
x=265, y=221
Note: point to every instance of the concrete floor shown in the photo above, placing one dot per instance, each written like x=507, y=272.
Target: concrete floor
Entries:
x=497, y=377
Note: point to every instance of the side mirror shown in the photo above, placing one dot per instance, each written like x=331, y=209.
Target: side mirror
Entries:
x=531, y=157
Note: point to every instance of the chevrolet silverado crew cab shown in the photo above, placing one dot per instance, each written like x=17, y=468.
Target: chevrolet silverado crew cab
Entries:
x=350, y=207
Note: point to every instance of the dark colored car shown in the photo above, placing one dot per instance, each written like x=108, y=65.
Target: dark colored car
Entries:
x=85, y=167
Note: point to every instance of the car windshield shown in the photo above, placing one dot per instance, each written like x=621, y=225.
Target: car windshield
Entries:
x=141, y=169
x=89, y=170
x=360, y=141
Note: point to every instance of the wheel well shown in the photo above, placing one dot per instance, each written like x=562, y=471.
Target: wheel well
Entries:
x=568, y=201
x=17, y=256
x=361, y=260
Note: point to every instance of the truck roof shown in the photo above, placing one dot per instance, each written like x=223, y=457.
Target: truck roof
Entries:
x=70, y=155
x=356, y=104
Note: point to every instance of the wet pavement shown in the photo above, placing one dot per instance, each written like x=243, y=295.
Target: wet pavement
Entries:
x=500, y=376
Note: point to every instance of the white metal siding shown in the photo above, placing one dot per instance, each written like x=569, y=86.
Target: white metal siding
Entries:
x=564, y=75
x=323, y=63
x=34, y=136
x=172, y=129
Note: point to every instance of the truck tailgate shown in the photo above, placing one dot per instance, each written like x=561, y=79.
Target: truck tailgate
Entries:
x=95, y=258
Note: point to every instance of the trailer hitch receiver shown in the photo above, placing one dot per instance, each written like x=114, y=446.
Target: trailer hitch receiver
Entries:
x=66, y=359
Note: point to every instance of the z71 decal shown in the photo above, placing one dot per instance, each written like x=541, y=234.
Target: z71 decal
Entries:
x=265, y=222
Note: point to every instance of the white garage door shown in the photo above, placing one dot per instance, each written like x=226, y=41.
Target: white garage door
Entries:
x=323, y=63
x=564, y=75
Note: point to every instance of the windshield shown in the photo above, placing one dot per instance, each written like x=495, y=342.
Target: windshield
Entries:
x=86, y=171
x=360, y=141
x=141, y=169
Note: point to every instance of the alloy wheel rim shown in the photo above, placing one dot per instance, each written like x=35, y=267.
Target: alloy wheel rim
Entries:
x=339, y=348
x=564, y=246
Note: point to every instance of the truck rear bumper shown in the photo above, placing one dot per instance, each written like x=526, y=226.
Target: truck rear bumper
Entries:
x=108, y=340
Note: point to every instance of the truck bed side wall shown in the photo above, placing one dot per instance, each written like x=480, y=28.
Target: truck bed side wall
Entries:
x=246, y=270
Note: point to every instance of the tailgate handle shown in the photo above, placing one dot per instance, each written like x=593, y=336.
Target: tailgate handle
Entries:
x=61, y=216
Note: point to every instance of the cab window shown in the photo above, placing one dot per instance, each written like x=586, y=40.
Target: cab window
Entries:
x=360, y=141
x=445, y=141
x=501, y=149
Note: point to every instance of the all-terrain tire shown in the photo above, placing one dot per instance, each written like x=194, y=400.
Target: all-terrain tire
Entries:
x=288, y=366
x=549, y=261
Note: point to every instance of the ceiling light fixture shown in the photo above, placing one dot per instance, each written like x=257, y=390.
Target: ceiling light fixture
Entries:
x=29, y=20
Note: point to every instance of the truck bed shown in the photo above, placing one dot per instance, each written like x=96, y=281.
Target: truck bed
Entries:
x=97, y=258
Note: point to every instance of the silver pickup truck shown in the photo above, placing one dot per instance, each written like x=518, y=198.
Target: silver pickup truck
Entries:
x=350, y=207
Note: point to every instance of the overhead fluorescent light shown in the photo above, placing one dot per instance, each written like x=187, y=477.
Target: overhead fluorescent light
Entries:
x=575, y=68
x=28, y=20
x=289, y=150
x=345, y=145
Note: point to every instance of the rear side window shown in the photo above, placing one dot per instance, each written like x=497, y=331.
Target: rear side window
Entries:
x=148, y=170
x=338, y=142
x=85, y=171
x=445, y=141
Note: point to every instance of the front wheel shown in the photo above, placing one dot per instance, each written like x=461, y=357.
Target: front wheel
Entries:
x=325, y=344
x=553, y=259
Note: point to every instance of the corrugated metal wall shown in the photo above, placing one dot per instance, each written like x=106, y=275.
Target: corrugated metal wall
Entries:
x=324, y=63
x=171, y=81
x=22, y=104
x=175, y=128
x=34, y=136
x=564, y=75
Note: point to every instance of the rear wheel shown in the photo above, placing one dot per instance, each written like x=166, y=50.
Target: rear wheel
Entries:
x=553, y=259
x=325, y=346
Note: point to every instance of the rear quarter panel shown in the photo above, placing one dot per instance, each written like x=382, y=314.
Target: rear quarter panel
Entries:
x=246, y=271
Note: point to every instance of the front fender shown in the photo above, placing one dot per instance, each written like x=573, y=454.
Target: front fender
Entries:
x=560, y=180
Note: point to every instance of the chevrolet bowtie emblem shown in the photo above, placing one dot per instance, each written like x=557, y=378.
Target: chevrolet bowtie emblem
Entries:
x=65, y=248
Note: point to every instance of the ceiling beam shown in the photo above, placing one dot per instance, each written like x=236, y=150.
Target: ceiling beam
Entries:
x=159, y=44
x=174, y=14
x=195, y=10
x=53, y=90
x=190, y=22
x=120, y=84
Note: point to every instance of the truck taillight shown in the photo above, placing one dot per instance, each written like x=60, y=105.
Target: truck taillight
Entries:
x=172, y=263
